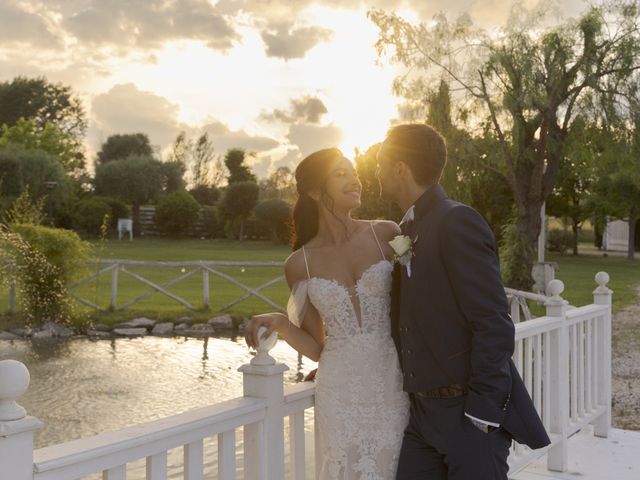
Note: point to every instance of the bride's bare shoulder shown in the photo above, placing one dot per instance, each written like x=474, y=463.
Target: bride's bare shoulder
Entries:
x=295, y=268
x=386, y=229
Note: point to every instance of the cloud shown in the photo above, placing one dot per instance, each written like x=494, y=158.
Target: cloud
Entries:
x=223, y=138
x=20, y=26
x=148, y=24
x=310, y=138
x=125, y=109
x=306, y=109
x=283, y=41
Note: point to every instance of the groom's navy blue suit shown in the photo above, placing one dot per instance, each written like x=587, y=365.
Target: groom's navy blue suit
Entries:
x=451, y=326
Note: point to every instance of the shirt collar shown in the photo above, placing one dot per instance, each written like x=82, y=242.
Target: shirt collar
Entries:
x=409, y=215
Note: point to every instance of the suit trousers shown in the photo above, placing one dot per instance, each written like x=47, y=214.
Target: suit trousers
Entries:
x=441, y=443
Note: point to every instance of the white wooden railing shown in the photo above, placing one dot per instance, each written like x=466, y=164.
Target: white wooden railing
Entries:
x=563, y=357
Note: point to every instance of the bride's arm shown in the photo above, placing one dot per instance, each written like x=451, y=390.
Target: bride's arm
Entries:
x=308, y=339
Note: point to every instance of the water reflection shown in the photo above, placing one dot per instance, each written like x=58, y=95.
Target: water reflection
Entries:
x=82, y=387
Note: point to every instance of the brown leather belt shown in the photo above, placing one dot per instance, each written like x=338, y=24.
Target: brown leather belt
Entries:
x=450, y=391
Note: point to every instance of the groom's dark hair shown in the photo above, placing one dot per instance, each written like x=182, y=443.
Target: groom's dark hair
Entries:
x=421, y=147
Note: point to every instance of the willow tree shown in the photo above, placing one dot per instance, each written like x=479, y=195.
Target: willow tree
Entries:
x=525, y=82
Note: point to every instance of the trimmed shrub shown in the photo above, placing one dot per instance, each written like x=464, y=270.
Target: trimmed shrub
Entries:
x=90, y=213
x=176, y=212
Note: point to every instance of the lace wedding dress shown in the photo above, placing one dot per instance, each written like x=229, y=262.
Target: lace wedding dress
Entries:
x=360, y=408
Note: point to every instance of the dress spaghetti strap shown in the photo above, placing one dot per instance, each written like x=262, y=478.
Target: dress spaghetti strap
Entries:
x=384, y=257
x=306, y=264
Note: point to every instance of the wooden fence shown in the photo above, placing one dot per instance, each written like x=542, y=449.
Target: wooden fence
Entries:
x=202, y=269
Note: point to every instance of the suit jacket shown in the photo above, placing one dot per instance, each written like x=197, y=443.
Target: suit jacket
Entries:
x=450, y=319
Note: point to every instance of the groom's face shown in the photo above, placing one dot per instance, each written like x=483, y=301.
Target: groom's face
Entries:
x=387, y=174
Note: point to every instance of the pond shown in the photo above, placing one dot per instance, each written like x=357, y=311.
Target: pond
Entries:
x=82, y=387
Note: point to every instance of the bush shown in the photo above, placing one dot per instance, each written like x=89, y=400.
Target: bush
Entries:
x=90, y=213
x=559, y=240
x=586, y=235
x=45, y=260
x=176, y=212
x=62, y=248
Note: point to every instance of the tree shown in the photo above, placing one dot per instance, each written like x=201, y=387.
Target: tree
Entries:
x=172, y=176
x=527, y=80
x=181, y=149
x=281, y=185
x=136, y=179
x=467, y=177
x=237, y=203
x=121, y=146
x=238, y=171
x=571, y=197
x=202, y=158
x=205, y=195
x=22, y=169
x=43, y=102
x=617, y=191
x=276, y=214
x=26, y=134
x=205, y=168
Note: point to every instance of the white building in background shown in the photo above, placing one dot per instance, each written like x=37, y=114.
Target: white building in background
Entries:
x=616, y=236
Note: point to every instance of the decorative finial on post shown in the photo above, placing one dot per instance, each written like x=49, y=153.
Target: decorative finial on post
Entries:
x=14, y=381
x=602, y=278
x=264, y=347
x=554, y=289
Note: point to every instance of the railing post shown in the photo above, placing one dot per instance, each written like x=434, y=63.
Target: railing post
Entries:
x=16, y=428
x=205, y=287
x=114, y=287
x=603, y=296
x=264, y=443
x=558, y=455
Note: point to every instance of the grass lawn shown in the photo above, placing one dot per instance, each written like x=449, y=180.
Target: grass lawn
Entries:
x=576, y=272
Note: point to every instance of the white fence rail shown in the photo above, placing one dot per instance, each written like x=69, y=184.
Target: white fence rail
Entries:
x=563, y=357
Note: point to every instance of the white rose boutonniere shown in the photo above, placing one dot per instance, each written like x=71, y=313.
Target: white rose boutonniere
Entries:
x=402, y=246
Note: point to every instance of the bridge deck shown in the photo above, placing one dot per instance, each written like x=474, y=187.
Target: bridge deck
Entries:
x=592, y=458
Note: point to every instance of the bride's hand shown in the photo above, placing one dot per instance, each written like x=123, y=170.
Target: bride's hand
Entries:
x=271, y=321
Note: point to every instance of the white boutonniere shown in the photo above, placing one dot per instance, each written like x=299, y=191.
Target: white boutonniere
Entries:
x=402, y=246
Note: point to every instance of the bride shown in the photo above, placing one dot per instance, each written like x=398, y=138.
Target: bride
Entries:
x=338, y=315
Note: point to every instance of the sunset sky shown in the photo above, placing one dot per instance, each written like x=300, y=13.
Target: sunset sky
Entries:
x=281, y=78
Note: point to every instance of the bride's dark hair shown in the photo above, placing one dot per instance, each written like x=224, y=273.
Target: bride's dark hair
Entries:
x=311, y=174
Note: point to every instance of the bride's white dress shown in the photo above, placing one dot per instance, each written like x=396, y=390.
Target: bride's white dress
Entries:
x=360, y=408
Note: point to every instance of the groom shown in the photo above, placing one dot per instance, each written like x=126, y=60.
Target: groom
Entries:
x=451, y=325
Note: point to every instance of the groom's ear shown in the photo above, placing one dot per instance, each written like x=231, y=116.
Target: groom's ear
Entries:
x=402, y=169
